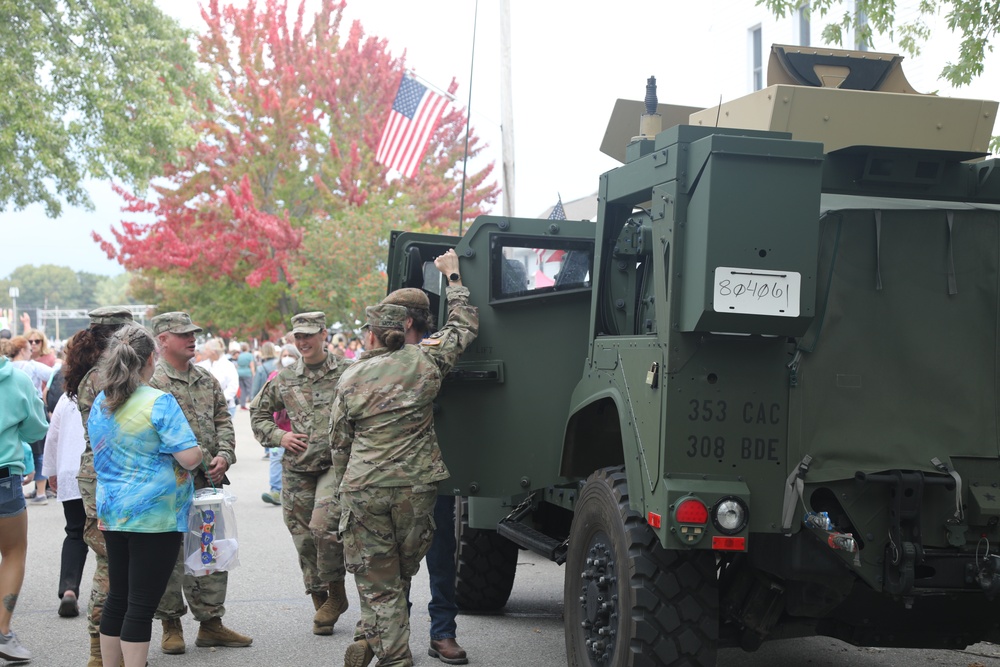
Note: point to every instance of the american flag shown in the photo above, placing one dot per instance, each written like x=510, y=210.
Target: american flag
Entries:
x=415, y=113
x=546, y=255
x=558, y=212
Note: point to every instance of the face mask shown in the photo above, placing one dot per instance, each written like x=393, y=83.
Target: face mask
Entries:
x=287, y=361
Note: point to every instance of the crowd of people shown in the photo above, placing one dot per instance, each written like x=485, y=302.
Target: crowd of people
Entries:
x=129, y=422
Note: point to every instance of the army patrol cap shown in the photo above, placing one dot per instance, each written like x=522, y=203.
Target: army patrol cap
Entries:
x=308, y=323
x=110, y=315
x=175, y=322
x=385, y=316
x=409, y=297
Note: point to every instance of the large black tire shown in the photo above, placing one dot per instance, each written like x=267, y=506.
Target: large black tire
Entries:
x=628, y=601
x=487, y=563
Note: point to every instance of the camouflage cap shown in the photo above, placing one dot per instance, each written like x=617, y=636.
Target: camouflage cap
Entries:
x=308, y=323
x=110, y=315
x=386, y=316
x=176, y=322
x=409, y=297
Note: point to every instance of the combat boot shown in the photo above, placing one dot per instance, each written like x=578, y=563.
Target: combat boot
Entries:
x=335, y=605
x=213, y=633
x=358, y=654
x=318, y=598
x=173, y=637
x=95, y=653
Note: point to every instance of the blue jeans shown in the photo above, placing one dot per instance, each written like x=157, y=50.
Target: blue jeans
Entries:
x=37, y=454
x=441, y=571
x=11, y=496
x=275, y=455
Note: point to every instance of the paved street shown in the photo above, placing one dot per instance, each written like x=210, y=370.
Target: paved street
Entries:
x=266, y=601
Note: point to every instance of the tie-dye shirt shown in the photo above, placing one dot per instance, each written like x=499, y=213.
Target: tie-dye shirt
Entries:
x=140, y=487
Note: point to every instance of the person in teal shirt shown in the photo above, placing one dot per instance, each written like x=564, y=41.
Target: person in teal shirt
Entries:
x=143, y=450
x=245, y=368
x=22, y=419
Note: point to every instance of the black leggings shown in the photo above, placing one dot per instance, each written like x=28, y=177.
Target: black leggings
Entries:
x=74, y=549
x=139, y=566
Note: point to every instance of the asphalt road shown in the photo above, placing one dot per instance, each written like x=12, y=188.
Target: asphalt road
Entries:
x=265, y=600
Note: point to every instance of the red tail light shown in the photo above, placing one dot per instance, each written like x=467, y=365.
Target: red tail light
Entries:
x=691, y=510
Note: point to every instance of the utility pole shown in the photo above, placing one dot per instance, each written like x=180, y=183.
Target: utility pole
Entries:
x=13, y=293
x=506, y=111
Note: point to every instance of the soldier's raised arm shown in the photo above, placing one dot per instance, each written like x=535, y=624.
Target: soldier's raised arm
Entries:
x=447, y=344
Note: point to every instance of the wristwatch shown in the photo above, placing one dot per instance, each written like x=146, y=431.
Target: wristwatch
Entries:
x=454, y=278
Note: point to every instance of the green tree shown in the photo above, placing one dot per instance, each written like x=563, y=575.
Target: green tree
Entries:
x=57, y=286
x=113, y=291
x=976, y=21
x=89, y=284
x=91, y=89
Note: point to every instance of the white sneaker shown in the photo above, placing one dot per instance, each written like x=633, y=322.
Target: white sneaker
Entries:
x=39, y=500
x=11, y=649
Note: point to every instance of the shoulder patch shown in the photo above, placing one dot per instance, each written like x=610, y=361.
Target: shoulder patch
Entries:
x=431, y=341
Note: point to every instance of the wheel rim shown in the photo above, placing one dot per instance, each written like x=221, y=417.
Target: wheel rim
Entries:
x=599, y=600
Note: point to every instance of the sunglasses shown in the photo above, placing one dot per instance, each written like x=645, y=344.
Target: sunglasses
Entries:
x=35, y=342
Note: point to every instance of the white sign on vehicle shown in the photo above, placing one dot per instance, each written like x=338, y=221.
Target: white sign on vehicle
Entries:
x=756, y=292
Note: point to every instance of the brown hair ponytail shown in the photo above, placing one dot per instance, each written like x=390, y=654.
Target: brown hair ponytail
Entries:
x=393, y=339
x=121, y=366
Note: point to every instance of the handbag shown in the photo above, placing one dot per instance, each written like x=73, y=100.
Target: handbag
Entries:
x=211, y=544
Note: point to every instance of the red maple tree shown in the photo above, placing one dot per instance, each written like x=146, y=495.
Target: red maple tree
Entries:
x=285, y=159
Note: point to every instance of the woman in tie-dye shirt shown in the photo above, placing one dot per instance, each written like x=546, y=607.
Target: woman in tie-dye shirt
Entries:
x=143, y=449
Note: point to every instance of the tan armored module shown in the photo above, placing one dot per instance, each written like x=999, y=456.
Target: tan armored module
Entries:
x=853, y=98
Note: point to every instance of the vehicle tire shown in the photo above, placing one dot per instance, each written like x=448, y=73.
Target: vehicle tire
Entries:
x=628, y=601
x=487, y=563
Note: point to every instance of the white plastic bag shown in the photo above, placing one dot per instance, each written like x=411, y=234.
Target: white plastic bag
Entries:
x=211, y=545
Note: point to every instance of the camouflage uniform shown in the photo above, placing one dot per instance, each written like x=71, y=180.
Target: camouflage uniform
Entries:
x=440, y=559
x=383, y=414
x=92, y=535
x=309, y=480
x=204, y=406
x=87, y=478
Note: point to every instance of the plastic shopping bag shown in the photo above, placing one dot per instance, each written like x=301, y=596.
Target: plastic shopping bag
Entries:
x=211, y=545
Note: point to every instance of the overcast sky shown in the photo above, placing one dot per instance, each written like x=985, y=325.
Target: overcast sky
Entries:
x=570, y=62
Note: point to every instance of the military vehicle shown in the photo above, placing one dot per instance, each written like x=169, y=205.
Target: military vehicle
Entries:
x=759, y=397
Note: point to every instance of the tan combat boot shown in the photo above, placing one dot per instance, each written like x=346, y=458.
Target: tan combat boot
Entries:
x=213, y=633
x=358, y=654
x=335, y=605
x=318, y=598
x=95, y=653
x=173, y=637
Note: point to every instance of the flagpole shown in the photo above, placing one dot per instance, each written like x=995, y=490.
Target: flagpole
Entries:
x=413, y=75
x=468, y=119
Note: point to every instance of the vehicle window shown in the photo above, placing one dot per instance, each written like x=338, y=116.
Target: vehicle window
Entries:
x=527, y=267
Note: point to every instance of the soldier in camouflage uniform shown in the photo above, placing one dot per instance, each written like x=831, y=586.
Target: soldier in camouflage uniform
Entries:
x=440, y=559
x=81, y=381
x=310, y=475
x=204, y=405
x=383, y=415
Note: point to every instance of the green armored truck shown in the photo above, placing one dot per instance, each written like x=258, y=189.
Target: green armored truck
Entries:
x=759, y=397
